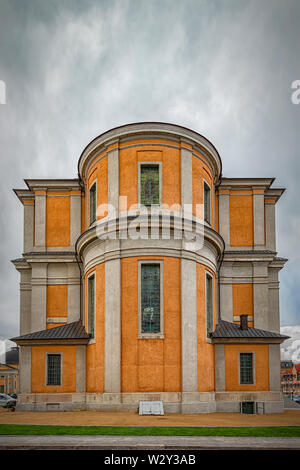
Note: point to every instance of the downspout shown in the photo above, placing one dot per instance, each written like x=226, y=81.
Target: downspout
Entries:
x=78, y=262
x=220, y=261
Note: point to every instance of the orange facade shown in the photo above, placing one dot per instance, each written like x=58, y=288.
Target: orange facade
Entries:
x=38, y=367
x=241, y=219
x=58, y=221
x=261, y=367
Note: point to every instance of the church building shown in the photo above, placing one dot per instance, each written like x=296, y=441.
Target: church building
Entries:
x=150, y=276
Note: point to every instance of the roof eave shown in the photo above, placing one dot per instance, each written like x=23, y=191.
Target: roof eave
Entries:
x=247, y=340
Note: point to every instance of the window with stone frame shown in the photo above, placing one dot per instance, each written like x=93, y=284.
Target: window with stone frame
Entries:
x=150, y=298
x=246, y=368
x=207, y=202
x=91, y=305
x=209, y=304
x=92, y=203
x=53, y=369
x=149, y=184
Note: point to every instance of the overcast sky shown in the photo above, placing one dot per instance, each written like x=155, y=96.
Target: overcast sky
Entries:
x=74, y=69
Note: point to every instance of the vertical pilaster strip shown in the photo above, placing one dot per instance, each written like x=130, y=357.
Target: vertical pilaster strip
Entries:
x=25, y=370
x=274, y=316
x=261, y=295
x=224, y=216
x=186, y=177
x=219, y=367
x=259, y=219
x=25, y=301
x=113, y=181
x=270, y=227
x=189, y=326
x=73, y=292
x=75, y=217
x=38, y=296
x=81, y=369
x=112, y=380
x=226, y=302
x=28, y=227
x=40, y=219
x=274, y=368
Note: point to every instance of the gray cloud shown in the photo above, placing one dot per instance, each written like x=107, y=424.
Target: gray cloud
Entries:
x=76, y=69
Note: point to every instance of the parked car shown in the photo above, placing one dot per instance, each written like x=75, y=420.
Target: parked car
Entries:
x=6, y=401
x=13, y=395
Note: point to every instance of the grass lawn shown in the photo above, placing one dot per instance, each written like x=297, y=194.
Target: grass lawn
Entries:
x=260, y=431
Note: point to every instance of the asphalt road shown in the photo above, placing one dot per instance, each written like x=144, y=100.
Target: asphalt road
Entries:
x=147, y=442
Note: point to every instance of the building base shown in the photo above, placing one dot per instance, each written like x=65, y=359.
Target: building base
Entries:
x=185, y=403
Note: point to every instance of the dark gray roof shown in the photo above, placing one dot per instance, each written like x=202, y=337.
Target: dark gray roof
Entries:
x=226, y=329
x=73, y=330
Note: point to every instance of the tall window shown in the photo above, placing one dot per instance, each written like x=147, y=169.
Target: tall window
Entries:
x=207, y=202
x=150, y=298
x=209, y=304
x=91, y=305
x=92, y=203
x=53, y=369
x=149, y=184
x=246, y=368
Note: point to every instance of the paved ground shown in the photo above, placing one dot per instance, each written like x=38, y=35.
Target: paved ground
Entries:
x=98, y=418
x=147, y=442
x=291, y=404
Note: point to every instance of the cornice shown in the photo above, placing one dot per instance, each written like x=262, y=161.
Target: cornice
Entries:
x=149, y=130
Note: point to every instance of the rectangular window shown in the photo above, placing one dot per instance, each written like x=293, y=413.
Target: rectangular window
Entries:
x=209, y=304
x=150, y=298
x=207, y=202
x=149, y=185
x=54, y=369
x=92, y=203
x=246, y=368
x=91, y=305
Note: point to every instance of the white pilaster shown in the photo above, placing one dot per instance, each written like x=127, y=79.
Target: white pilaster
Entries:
x=113, y=181
x=224, y=220
x=75, y=217
x=189, y=326
x=112, y=381
x=259, y=220
x=40, y=221
x=38, y=296
x=186, y=177
x=28, y=227
x=25, y=369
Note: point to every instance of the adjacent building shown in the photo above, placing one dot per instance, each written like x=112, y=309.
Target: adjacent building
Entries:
x=9, y=371
x=150, y=277
x=290, y=378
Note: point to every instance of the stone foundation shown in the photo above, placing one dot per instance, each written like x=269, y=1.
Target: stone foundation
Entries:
x=186, y=403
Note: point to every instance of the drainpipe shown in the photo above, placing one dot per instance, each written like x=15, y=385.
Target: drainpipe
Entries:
x=78, y=262
x=220, y=260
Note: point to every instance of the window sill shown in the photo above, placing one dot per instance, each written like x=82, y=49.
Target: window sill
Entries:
x=151, y=336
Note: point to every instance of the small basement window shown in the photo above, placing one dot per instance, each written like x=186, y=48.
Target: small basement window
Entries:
x=247, y=407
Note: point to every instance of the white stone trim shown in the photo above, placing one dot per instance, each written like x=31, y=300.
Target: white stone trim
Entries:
x=112, y=357
x=189, y=365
